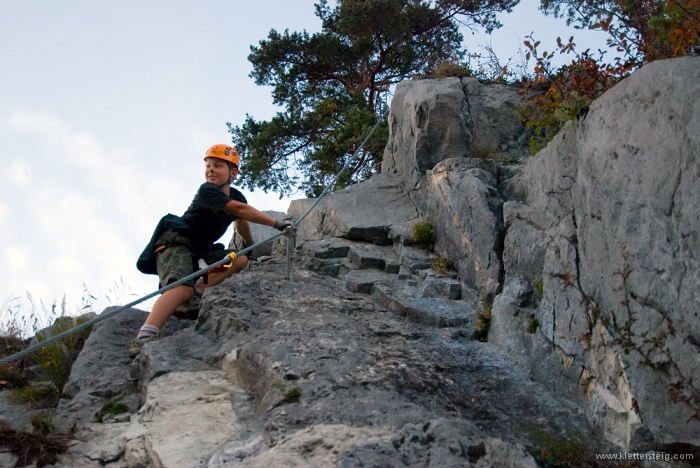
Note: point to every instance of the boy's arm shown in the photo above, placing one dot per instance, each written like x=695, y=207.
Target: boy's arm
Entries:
x=248, y=213
x=243, y=230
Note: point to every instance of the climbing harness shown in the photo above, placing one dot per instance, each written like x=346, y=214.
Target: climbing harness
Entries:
x=227, y=261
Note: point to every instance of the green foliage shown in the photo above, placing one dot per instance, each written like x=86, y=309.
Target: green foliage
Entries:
x=559, y=452
x=279, y=385
x=32, y=447
x=111, y=408
x=483, y=320
x=43, y=424
x=532, y=325
x=441, y=266
x=57, y=358
x=11, y=376
x=643, y=30
x=512, y=161
x=423, y=235
x=292, y=395
x=332, y=85
x=18, y=320
x=447, y=69
x=39, y=396
x=553, y=97
x=539, y=288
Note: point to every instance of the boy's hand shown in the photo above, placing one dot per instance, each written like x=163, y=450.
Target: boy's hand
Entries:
x=282, y=224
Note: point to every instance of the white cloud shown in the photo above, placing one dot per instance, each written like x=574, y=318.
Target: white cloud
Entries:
x=16, y=259
x=19, y=173
x=78, y=148
x=4, y=212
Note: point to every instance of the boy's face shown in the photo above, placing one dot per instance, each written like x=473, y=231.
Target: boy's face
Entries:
x=217, y=171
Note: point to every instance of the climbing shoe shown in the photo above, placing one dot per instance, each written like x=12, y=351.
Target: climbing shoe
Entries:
x=137, y=345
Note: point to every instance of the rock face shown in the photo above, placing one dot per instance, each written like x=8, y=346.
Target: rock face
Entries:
x=585, y=251
x=608, y=212
x=306, y=372
x=462, y=201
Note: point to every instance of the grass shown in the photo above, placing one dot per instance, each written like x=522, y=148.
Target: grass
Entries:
x=19, y=320
x=33, y=447
x=447, y=69
x=441, y=266
x=423, y=235
x=483, y=320
x=292, y=395
x=555, y=451
x=43, y=424
x=512, y=161
x=111, y=408
x=40, y=396
x=480, y=151
x=533, y=325
x=539, y=288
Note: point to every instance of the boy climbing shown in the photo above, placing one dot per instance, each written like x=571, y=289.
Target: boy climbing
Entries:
x=178, y=242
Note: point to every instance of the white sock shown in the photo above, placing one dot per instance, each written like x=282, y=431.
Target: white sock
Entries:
x=148, y=331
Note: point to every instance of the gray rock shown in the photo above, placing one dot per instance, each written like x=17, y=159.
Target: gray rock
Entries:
x=187, y=415
x=259, y=232
x=614, y=193
x=427, y=124
x=328, y=248
x=364, y=256
x=496, y=132
x=376, y=211
x=413, y=259
x=434, y=120
x=102, y=372
x=363, y=281
x=406, y=299
x=463, y=203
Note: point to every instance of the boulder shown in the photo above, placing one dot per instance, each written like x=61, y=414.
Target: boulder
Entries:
x=101, y=373
x=434, y=120
x=428, y=122
x=378, y=211
x=496, y=131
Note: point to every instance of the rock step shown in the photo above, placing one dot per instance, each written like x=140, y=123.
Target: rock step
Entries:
x=405, y=298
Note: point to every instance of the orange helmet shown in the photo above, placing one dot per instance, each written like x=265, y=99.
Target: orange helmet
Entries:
x=225, y=152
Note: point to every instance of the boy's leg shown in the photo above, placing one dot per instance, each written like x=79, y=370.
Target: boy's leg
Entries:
x=215, y=278
x=173, y=263
x=166, y=304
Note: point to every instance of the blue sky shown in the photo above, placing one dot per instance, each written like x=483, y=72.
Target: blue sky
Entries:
x=106, y=111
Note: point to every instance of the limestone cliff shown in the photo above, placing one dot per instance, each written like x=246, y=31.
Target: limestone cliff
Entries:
x=368, y=357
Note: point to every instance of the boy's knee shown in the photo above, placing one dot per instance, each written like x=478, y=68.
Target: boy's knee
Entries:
x=184, y=291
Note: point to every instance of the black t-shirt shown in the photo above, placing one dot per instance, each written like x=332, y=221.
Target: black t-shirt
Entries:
x=205, y=218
